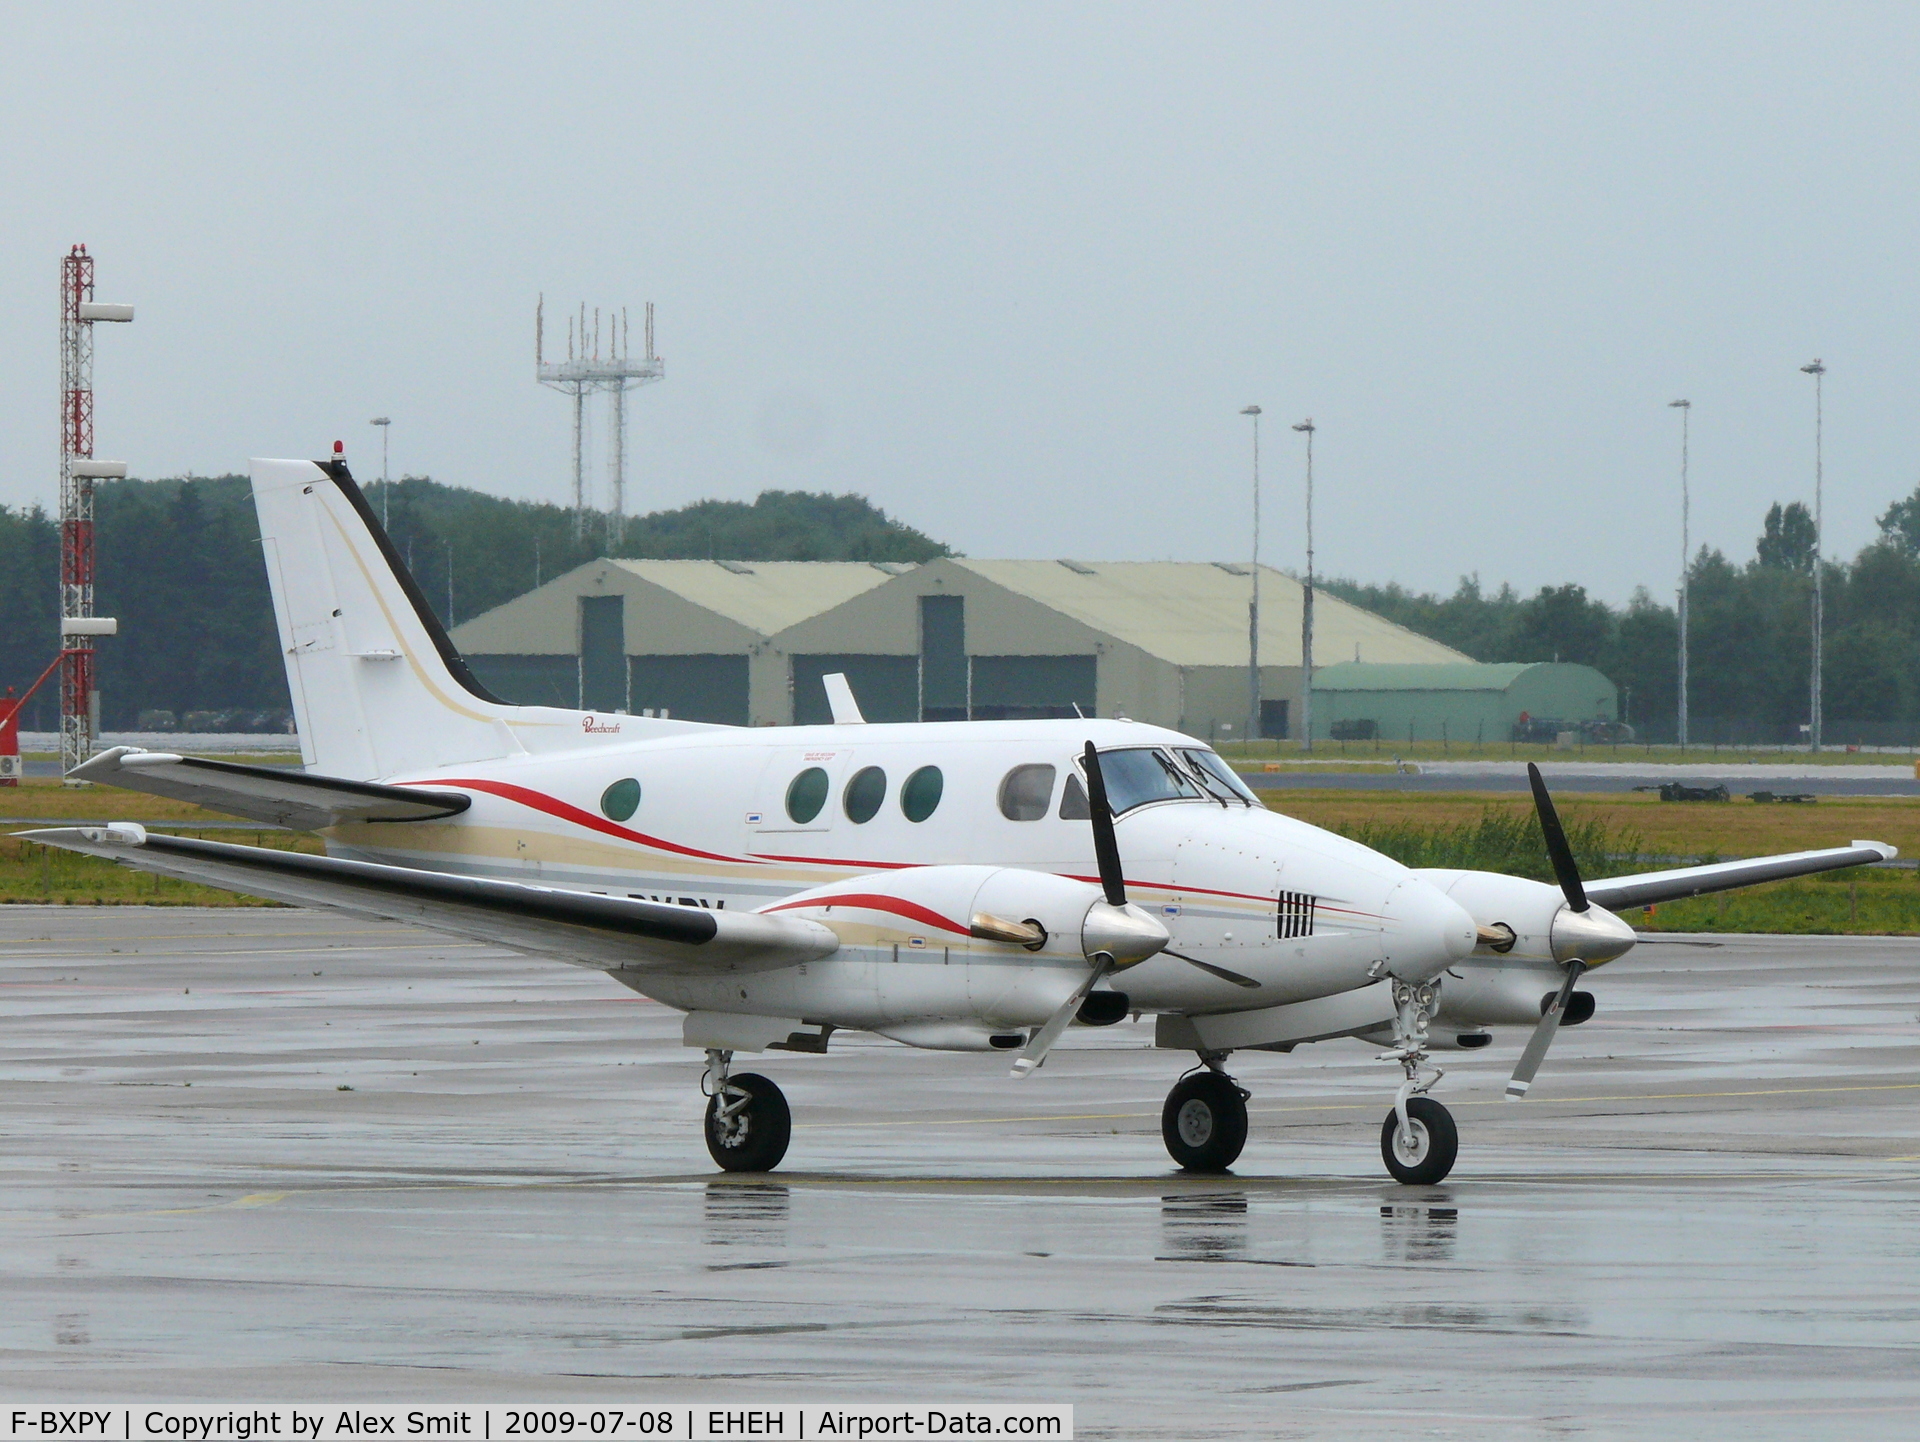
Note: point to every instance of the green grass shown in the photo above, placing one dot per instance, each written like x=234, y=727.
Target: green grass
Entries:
x=1499, y=840
x=1860, y=901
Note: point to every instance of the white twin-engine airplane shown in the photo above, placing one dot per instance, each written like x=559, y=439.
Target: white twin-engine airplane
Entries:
x=963, y=886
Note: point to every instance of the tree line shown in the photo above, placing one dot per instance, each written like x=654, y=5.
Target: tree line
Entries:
x=180, y=566
x=1749, y=635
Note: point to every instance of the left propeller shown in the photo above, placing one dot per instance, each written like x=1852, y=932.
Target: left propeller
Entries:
x=1115, y=934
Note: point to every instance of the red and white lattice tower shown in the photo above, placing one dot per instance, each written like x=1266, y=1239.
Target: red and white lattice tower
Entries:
x=79, y=695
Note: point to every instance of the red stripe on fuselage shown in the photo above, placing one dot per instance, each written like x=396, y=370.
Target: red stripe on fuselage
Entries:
x=538, y=801
x=869, y=901
x=552, y=806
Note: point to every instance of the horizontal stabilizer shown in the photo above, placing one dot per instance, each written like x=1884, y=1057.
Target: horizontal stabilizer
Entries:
x=279, y=796
x=1650, y=887
x=609, y=933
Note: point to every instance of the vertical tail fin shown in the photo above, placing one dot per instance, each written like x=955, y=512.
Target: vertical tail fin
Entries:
x=378, y=688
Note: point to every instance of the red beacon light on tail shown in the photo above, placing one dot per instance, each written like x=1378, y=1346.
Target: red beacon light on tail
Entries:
x=340, y=450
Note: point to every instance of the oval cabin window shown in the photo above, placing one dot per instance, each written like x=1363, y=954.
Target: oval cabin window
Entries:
x=620, y=800
x=1025, y=792
x=806, y=795
x=864, y=794
x=921, y=794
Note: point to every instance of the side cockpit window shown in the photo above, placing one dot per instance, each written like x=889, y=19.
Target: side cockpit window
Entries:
x=1073, y=800
x=1025, y=792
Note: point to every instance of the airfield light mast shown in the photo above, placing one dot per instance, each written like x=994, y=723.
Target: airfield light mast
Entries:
x=79, y=693
x=1306, y=607
x=1253, y=608
x=585, y=371
x=1816, y=682
x=1686, y=560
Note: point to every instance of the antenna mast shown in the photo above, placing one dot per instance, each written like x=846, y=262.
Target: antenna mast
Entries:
x=585, y=371
x=79, y=692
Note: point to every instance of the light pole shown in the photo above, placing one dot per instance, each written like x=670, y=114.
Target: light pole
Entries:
x=1686, y=559
x=1253, y=610
x=1306, y=608
x=382, y=422
x=1816, y=684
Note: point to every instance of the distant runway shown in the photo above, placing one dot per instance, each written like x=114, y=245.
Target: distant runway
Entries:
x=1707, y=1220
x=1501, y=776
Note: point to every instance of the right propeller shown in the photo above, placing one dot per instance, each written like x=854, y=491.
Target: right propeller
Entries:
x=1567, y=871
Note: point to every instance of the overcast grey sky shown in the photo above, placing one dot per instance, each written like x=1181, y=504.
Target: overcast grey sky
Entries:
x=1010, y=270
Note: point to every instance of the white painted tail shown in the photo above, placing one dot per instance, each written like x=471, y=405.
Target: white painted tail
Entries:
x=378, y=690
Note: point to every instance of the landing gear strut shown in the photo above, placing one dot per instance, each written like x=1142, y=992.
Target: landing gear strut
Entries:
x=1204, y=1122
x=748, y=1124
x=1418, y=1140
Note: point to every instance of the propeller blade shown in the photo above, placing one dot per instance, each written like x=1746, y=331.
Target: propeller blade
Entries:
x=1220, y=971
x=1543, y=1036
x=1561, y=854
x=1041, y=1042
x=1105, y=849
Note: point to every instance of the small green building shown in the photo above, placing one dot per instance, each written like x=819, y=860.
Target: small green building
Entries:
x=1471, y=701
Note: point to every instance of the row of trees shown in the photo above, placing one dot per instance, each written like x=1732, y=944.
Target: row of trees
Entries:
x=180, y=565
x=1749, y=636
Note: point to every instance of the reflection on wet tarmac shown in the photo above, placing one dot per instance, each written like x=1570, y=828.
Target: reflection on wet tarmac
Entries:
x=746, y=1214
x=1418, y=1232
x=1204, y=1226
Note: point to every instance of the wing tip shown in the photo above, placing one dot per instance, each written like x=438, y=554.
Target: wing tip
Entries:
x=1887, y=853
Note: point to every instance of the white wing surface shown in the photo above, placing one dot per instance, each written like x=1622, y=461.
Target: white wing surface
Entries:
x=1654, y=886
x=279, y=796
x=608, y=933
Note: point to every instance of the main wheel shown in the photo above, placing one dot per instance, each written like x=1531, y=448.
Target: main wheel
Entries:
x=1428, y=1152
x=1204, y=1122
x=754, y=1138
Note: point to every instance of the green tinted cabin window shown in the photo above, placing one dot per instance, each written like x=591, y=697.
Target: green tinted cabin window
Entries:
x=620, y=800
x=864, y=794
x=921, y=794
x=806, y=795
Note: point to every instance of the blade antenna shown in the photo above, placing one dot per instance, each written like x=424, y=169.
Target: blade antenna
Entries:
x=1565, y=870
x=1106, y=850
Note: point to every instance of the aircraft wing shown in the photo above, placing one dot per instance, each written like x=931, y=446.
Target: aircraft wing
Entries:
x=608, y=933
x=279, y=796
x=1654, y=886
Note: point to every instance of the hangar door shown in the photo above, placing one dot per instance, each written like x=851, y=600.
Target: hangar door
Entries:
x=690, y=688
x=887, y=687
x=530, y=680
x=1027, y=688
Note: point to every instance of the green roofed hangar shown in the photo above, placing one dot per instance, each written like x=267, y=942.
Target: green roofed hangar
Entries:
x=746, y=643
x=1464, y=702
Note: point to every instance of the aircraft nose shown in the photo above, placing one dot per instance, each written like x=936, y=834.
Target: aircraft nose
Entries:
x=1427, y=930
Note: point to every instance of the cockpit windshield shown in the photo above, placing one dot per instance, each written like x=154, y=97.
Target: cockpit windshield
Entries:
x=1216, y=777
x=1136, y=776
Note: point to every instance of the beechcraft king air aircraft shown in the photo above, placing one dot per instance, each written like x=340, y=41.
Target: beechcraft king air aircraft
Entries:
x=963, y=886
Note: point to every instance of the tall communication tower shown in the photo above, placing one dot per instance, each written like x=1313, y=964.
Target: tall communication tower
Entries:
x=584, y=371
x=79, y=696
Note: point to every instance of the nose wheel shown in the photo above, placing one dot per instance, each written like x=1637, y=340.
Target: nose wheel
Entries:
x=748, y=1124
x=1421, y=1152
x=1204, y=1122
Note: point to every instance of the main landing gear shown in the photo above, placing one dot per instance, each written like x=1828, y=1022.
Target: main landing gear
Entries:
x=1418, y=1140
x=1204, y=1122
x=748, y=1124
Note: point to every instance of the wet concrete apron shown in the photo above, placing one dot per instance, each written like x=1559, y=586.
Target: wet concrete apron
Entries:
x=1707, y=1216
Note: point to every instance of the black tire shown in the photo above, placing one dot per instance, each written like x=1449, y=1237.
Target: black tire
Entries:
x=759, y=1132
x=1204, y=1122
x=1437, y=1143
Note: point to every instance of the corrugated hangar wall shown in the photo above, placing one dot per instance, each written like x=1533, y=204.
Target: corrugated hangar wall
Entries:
x=747, y=643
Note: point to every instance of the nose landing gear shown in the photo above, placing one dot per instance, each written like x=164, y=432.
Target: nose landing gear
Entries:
x=748, y=1124
x=1204, y=1122
x=1418, y=1140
